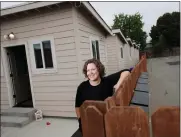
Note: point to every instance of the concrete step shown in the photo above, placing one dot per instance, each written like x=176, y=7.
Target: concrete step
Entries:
x=21, y=112
x=14, y=121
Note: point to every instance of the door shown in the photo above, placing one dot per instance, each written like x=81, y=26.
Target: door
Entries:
x=12, y=74
x=19, y=75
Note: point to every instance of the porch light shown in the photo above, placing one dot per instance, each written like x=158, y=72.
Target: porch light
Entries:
x=6, y=37
x=11, y=35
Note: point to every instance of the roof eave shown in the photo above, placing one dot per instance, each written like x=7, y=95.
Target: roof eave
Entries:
x=118, y=31
x=97, y=16
x=129, y=41
x=34, y=5
x=26, y=6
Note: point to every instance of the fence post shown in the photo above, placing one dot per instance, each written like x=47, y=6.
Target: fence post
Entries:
x=166, y=122
x=92, y=114
x=127, y=121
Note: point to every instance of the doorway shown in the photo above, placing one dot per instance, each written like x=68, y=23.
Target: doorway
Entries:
x=19, y=76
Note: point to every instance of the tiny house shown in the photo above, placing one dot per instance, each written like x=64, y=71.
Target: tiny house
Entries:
x=43, y=48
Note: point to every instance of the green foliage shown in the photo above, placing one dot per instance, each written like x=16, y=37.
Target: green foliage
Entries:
x=131, y=26
x=166, y=33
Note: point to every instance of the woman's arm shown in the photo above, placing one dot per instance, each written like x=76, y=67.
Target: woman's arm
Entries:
x=78, y=100
x=123, y=75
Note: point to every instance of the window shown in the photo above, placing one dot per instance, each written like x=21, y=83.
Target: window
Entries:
x=121, y=52
x=95, y=48
x=38, y=55
x=43, y=56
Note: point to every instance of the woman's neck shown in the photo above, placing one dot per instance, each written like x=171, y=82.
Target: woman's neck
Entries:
x=96, y=82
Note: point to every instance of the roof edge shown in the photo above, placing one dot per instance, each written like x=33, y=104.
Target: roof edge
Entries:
x=97, y=16
x=34, y=5
x=17, y=5
x=26, y=6
x=118, y=31
x=130, y=41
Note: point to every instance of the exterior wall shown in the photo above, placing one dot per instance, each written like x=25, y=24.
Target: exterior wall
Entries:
x=121, y=61
x=54, y=93
x=112, y=57
x=4, y=90
x=114, y=60
x=127, y=56
x=87, y=27
x=132, y=56
x=137, y=55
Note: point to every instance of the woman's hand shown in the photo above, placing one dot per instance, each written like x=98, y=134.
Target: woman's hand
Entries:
x=121, y=79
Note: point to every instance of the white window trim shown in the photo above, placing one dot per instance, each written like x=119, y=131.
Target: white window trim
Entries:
x=92, y=38
x=122, y=53
x=33, y=63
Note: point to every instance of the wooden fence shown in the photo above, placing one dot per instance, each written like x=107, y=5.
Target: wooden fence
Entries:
x=114, y=117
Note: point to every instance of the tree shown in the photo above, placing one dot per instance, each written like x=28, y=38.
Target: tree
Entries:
x=154, y=34
x=131, y=26
x=167, y=26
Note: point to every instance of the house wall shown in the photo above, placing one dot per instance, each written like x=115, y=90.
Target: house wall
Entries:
x=121, y=61
x=4, y=90
x=54, y=93
x=87, y=27
x=132, y=56
x=127, y=58
x=137, y=55
x=112, y=58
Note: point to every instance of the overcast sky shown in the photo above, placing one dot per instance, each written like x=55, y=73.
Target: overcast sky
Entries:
x=149, y=10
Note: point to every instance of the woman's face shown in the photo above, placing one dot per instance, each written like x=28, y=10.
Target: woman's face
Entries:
x=92, y=72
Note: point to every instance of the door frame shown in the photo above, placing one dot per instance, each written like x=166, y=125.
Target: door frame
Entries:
x=7, y=73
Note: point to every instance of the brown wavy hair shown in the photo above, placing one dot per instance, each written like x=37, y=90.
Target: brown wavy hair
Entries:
x=100, y=67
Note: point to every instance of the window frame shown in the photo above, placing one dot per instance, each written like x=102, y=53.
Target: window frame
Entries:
x=122, y=56
x=43, y=70
x=93, y=38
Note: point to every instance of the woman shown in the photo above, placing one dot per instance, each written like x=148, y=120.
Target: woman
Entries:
x=97, y=87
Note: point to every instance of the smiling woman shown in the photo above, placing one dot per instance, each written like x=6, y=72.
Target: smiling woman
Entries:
x=97, y=87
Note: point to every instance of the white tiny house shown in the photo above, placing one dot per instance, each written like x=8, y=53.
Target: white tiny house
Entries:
x=42, y=66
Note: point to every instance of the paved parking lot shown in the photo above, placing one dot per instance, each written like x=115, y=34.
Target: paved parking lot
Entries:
x=58, y=128
x=164, y=82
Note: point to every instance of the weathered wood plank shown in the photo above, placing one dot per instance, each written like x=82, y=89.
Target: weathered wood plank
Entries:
x=126, y=122
x=145, y=108
x=95, y=120
x=100, y=105
x=110, y=102
x=166, y=122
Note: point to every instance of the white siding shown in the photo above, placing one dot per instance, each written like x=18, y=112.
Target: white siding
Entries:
x=54, y=93
x=132, y=56
x=127, y=56
x=87, y=28
x=114, y=60
x=4, y=90
x=121, y=61
x=112, y=56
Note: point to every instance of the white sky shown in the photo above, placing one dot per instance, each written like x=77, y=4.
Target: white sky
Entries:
x=149, y=10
